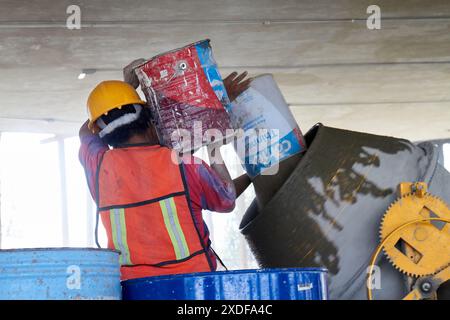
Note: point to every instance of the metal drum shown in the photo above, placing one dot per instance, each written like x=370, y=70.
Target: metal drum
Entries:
x=185, y=91
x=263, y=284
x=59, y=274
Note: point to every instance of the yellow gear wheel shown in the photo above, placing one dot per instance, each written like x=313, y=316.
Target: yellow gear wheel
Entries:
x=422, y=248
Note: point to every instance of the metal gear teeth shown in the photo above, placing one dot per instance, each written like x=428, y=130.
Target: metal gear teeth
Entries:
x=439, y=199
x=380, y=231
x=444, y=267
x=383, y=218
x=406, y=272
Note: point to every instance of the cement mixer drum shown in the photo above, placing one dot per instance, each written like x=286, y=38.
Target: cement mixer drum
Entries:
x=327, y=213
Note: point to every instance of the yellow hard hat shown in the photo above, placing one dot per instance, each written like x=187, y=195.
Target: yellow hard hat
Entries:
x=109, y=95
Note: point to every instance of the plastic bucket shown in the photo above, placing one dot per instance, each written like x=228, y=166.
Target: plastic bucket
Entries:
x=271, y=133
x=264, y=284
x=186, y=94
x=59, y=274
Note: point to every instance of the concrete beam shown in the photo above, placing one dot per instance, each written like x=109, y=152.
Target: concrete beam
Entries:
x=192, y=10
x=284, y=46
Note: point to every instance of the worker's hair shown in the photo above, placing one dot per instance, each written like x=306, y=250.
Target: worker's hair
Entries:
x=122, y=134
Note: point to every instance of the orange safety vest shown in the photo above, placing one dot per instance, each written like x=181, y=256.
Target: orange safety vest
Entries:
x=144, y=205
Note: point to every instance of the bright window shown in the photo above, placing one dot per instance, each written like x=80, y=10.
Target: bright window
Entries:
x=40, y=205
x=30, y=192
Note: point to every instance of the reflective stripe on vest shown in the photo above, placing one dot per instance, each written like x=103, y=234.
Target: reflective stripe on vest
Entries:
x=119, y=234
x=173, y=227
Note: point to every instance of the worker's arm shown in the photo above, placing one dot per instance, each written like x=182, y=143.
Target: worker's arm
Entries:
x=91, y=152
x=207, y=189
x=217, y=164
x=213, y=184
x=235, y=85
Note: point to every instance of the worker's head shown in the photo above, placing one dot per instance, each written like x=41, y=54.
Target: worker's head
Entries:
x=117, y=113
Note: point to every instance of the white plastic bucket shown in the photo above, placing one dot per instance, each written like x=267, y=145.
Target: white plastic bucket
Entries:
x=263, y=106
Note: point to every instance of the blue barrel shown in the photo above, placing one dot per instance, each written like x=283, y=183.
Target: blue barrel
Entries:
x=59, y=274
x=263, y=284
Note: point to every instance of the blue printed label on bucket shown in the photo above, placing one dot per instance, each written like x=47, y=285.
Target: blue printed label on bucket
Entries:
x=270, y=131
x=265, y=148
x=211, y=71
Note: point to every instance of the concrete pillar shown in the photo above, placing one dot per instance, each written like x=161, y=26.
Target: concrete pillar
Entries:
x=63, y=186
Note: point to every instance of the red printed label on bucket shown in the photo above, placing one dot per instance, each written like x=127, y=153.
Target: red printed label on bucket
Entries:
x=185, y=90
x=178, y=76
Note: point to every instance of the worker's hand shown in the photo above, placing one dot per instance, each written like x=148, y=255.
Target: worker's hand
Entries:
x=128, y=72
x=235, y=84
x=84, y=130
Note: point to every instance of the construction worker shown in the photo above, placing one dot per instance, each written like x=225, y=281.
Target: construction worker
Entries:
x=150, y=205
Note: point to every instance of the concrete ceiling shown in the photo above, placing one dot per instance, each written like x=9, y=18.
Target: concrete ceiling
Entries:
x=331, y=68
